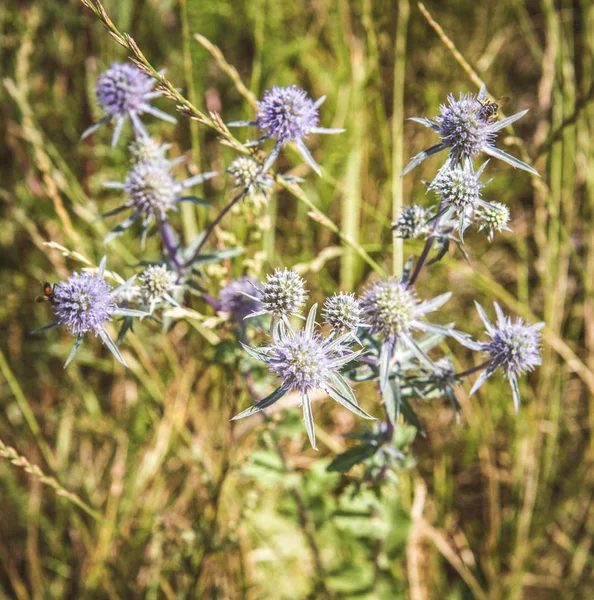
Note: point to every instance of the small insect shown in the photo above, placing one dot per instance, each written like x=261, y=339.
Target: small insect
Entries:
x=490, y=108
x=48, y=293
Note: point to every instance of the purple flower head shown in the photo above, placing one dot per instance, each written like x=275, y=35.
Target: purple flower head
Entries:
x=412, y=223
x=305, y=361
x=83, y=303
x=514, y=347
x=343, y=313
x=152, y=190
x=241, y=298
x=125, y=91
x=287, y=114
x=466, y=130
x=86, y=302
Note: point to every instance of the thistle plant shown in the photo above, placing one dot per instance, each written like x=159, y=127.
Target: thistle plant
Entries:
x=465, y=128
x=287, y=114
x=84, y=303
x=383, y=335
x=124, y=92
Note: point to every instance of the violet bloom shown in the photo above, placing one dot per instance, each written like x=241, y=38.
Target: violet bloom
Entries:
x=124, y=91
x=287, y=114
x=514, y=347
x=466, y=129
x=86, y=302
x=305, y=361
x=241, y=298
x=152, y=192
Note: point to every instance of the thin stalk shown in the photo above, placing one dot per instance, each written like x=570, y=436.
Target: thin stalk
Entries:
x=397, y=131
x=212, y=226
x=169, y=244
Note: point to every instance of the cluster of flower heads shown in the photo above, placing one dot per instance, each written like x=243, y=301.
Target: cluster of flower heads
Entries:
x=383, y=335
x=468, y=128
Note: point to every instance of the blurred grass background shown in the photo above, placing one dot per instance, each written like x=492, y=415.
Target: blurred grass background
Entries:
x=143, y=488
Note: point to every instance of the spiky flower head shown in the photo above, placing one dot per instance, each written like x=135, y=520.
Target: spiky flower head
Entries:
x=151, y=189
x=287, y=114
x=343, y=313
x=157, y=282
x=86, y=302
x=493, y=217
x=412, y=222
x=241, y=298
x=249, y=176
x=389, y=307
x=124, y=91
x=83, y=302
x=148, y=150
x=304, y=361
x=514, y=347
x=122, y=88
x=283, y=293
x=468, y=130
x=458, y=188
x=463, y=127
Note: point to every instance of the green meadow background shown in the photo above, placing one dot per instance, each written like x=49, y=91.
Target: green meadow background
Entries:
x=133, y=483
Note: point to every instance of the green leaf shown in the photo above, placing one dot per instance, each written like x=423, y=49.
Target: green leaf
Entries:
x=265, y=403
x=353, y=456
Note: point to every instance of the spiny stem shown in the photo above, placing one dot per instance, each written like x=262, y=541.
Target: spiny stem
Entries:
x=168, y=242
x=480, y=367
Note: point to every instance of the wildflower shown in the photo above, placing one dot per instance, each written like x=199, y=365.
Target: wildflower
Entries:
x=493, y=217
x=412, y=223
x=393, y=311
x=148, y=150
x=514, y=347
x=157, y=284
x=343, y=313
x=459, y=191
x=241, y=298
x=287, y=114
x=247, y=174
x=125, y=91
x=305, y=361
x=152, y=192
x=86, y=302
x=465, y=129
x=283, y=295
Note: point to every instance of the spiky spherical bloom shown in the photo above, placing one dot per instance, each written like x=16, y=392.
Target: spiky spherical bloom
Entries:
x=151, y=189
x=248, y=175
x=493, y=217
x=459, y=190
x=124, y=91
x=412, y=222
x=157, y=282
x=514, y=347
x=467, y=130
x=305, y=361
x=393, y=311
x=241, y=298
x=152, y=192
x=283, y=294
x=148, y=150
x=343, y=313
x=83, y=302
x=86, y=302
x=287, y=114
